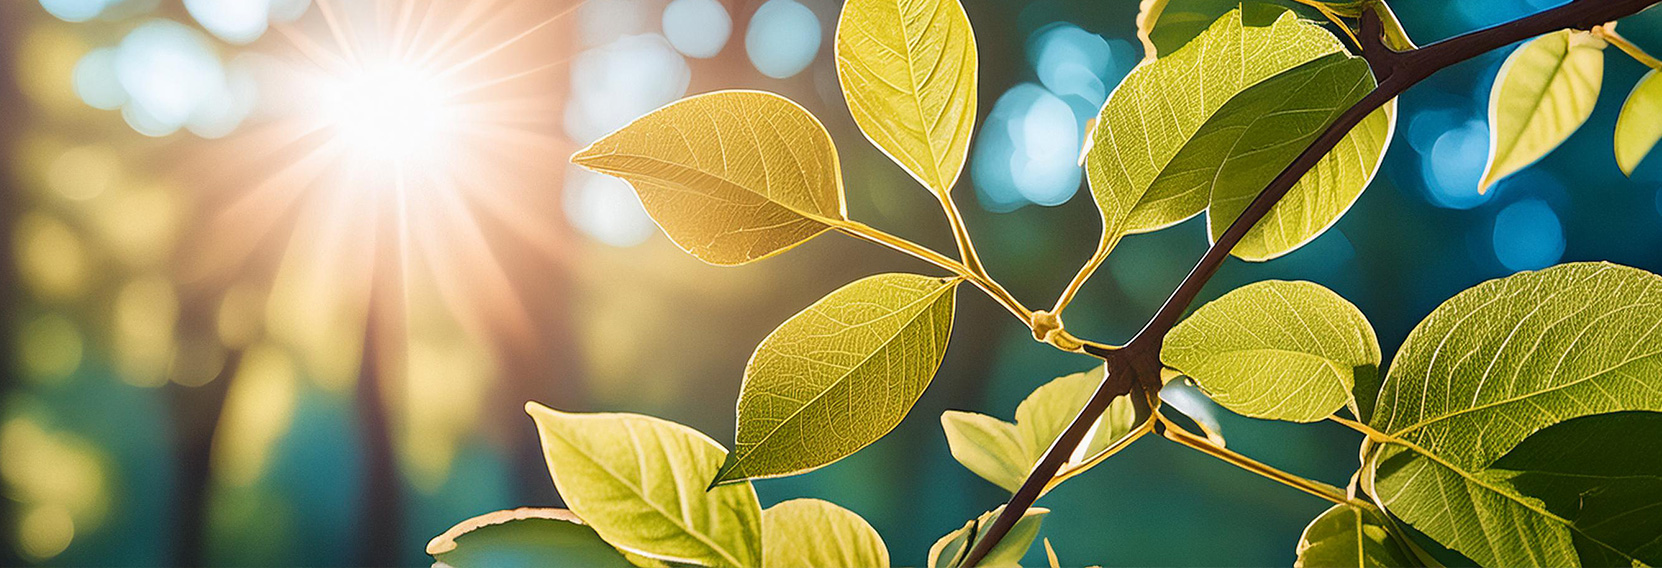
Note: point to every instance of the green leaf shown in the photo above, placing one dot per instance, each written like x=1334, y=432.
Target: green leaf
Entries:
x=1604, y=474
x=731, y=176
x=524, y=537
x=1164, y=26
x=908, y=71
x=1276, y=349
x=1488, y=368
x=1640, y=125
x=640, y=482
x=1543, y=93
x=949, y=550
x=1351, y=537
x=839, y=375
x=1003, y=453
x=1174, y=138
x=810, y=533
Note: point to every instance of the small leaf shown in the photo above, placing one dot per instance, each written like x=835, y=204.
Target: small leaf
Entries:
x=987, y=446
x=1351, y=537
x=908, y=72
x=731, y=176
x=1543, y=93
x=1640, y=125
x=949, y=551
x=640, y=482
x=839, y=375
x=1212, y=123
x=810, y=533
x=524, y=537
x=1488, y=368
x=1276, y=349
x=1003, y=453
x=1604, y=474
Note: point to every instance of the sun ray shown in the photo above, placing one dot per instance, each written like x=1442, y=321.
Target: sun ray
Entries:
x=508, y=42
x=338, y=31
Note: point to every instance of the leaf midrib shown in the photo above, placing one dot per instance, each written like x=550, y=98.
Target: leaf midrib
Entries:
x=601, y=168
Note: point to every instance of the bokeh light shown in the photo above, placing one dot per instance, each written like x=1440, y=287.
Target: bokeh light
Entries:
x=697, y=28
x=1454, y=165
x=783, y=38
x=1528, y=235
x=169, y=72
x=606, y=209
x=95, y=80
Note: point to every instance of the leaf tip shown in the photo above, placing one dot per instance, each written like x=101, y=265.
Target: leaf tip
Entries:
x=729, y=473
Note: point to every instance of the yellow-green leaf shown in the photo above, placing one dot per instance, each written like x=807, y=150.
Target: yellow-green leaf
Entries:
x=1543, y=93
x=1351, y=537
x=1164, y=26
x=1490, y=367
x=810, y=533
x=1003, y=453
x=949, y=550
x=1276, y=349
x=731, y=176
x=839, y=375
x=524, y=537
x=1640, y=125
x=640, y=482
x=908, y=72
x=1166, y=133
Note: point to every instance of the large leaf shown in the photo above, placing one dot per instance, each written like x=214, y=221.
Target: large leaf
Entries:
x=1351, y=537
x=839, y=375
x=524, y=537
x=908, y=71
x=1276, y=349
x=1604, y=474
x=1640, y=125
x=1488, y=368
x=640, y=482
x=1543, y=93
x=810, y=533
x=1004, y=453
x=731, y=176
x=1208, y=126
x=949, y=550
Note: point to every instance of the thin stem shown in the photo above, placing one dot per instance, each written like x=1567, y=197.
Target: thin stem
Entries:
x=1177, y=434
x=1103, y=247
x=960, y=234
x=1364, y=429
x=1398, y=72
x=1079, y=466
x=998, y=293
x=1608, y=33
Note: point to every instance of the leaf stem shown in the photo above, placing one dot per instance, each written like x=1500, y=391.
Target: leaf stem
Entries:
x=960, y=234
x=1103, y=247
x=1331, y=493
x=1608, y=33
x=866, y=232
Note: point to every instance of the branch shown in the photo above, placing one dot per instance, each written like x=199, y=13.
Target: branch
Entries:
x=1140, y=358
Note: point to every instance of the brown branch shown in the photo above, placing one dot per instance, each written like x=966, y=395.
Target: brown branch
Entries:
x=1138, y=364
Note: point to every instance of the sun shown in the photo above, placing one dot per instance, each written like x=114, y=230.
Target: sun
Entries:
x=393, y=113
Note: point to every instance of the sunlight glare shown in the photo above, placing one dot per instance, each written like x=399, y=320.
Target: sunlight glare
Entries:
x=392, y=113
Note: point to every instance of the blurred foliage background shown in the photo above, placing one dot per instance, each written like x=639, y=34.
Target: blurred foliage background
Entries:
x=231, y=336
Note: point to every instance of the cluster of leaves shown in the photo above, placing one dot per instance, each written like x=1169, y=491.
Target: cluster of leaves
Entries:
x=1508, y=428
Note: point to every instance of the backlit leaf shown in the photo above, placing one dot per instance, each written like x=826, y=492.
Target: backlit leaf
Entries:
x=1276, y=349
x=839, y=375
x=731, y=176
x=949, y=550
x=810, y=533
x=1164, y=26
x=1351, y=537
x=1492, y=366
x=1543, y=93
x=908, y=72
x=1004, y=453
x=1640, y=125
x=640, y=482
x=524, y=537
x=1173, y=139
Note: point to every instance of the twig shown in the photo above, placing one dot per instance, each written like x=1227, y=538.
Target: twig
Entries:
x=1141, y=355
